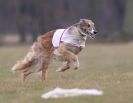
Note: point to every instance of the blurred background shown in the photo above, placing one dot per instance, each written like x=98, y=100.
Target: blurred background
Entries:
x=21, y=21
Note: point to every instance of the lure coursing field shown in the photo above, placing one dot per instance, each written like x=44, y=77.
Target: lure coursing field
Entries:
x=107, y=67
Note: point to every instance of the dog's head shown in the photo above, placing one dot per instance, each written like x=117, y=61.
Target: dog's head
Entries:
x=87, y=27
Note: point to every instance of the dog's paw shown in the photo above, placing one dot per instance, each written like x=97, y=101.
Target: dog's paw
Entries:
x=76, y=68
x=59, y=70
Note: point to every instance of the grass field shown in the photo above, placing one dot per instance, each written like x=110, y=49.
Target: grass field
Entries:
x=103, y=66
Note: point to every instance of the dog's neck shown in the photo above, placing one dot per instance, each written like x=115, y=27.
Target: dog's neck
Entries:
x=81, y=33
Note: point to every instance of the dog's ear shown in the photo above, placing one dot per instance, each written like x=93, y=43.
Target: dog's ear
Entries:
x=82, y=20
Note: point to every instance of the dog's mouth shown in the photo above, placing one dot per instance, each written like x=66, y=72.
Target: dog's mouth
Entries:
x=92, y=36
x=91, y=33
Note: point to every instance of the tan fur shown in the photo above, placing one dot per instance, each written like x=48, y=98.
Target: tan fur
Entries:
x=38, y=58
x=68, y=53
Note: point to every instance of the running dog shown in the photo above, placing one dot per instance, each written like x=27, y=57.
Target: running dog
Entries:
x=61, y=44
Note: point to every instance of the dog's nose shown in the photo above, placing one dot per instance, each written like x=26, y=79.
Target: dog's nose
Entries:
x=95, y=32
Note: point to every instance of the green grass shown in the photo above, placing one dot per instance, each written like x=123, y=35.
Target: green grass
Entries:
x=103, y=66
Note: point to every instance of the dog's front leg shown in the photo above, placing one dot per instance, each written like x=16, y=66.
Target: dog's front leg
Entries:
x=76, y=63
x=69, y=57
x=43, y=69
x=65, y=66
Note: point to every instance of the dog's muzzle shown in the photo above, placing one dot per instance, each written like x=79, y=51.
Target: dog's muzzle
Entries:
x=95, y=32
x=92, y=33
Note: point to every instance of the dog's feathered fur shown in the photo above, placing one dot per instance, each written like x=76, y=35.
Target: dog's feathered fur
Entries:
x=38, y=58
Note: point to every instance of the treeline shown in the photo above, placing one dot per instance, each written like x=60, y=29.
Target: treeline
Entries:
x=113, y=18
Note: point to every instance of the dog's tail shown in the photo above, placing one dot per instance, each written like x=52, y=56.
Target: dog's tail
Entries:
x=21, y=65
x=28, y=61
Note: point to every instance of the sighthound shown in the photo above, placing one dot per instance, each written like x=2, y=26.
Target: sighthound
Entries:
x=61, y=44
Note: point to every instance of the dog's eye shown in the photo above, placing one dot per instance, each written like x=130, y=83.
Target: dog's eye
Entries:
x=88, y=25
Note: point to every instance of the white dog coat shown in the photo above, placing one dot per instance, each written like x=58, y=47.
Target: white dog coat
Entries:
x=68, y=36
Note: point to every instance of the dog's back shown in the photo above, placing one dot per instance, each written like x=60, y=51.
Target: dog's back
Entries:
x=46, y=40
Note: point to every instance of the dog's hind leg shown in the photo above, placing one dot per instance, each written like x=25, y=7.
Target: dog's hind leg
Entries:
x=44, y=68
x=25, y=74
x=45, y=64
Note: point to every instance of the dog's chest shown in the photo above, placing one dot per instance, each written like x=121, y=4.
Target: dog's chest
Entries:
x=71, y=37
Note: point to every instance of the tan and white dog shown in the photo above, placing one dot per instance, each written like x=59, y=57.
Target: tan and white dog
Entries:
x=61, y=44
